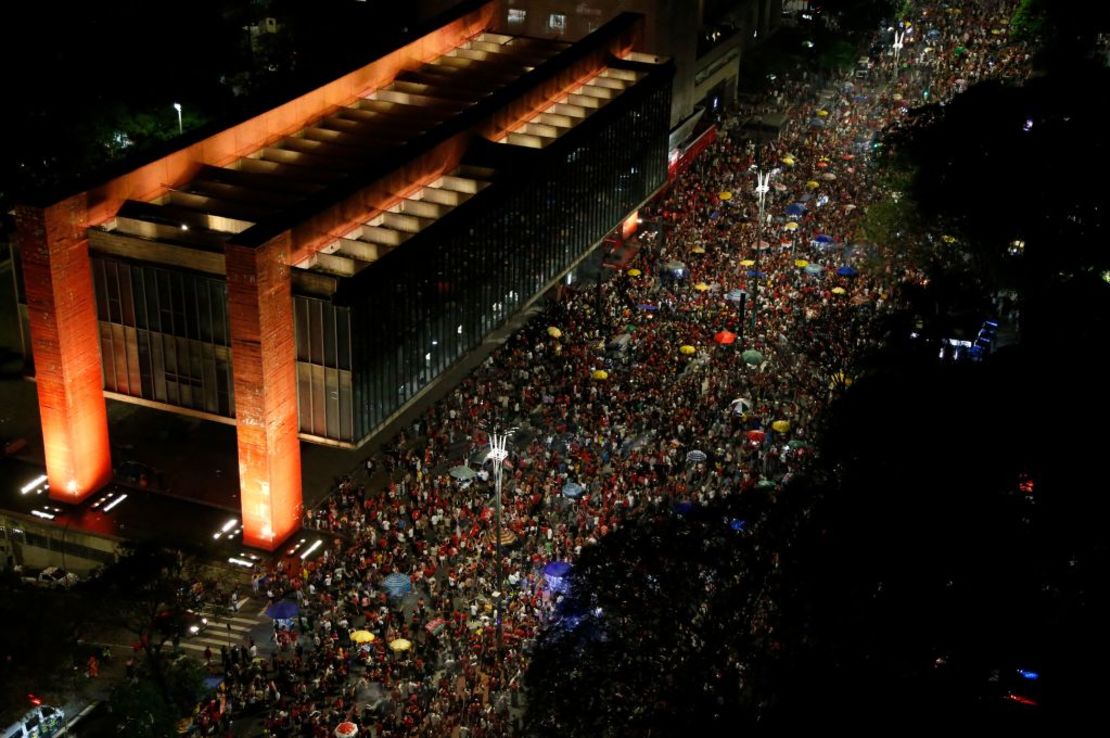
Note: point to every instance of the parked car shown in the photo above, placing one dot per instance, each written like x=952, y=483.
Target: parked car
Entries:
x=53, y=576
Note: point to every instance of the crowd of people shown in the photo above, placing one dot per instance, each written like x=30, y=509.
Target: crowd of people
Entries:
x=638, y=400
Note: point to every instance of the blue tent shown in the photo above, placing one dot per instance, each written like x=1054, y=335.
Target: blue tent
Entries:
x=556, y=575
x=846, y=271
x=397, y=584
x=557, y=569
x=283, y=610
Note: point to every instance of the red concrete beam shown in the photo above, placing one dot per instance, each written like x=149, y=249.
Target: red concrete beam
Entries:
x=65, y=342
x=264, y=367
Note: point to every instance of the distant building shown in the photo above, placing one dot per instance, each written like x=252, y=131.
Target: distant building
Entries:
x=704, y=38
x=308, y=272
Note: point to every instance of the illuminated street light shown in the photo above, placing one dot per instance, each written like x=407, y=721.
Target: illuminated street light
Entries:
x=180, y=125
x=498, y=452
x=898, y=36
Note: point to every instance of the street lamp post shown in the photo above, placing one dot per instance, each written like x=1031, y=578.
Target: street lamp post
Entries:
x=498, y=452
x=762, y=186
x=898, y=36
x=180, y=125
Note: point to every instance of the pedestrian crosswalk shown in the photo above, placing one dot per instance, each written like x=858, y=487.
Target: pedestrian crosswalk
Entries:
x=233, y=629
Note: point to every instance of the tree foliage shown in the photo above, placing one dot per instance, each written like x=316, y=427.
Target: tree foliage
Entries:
x=666, y=630
x=37, y=646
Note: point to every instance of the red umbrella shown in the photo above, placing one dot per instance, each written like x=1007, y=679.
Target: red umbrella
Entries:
x=725, y=338
x=755, y=436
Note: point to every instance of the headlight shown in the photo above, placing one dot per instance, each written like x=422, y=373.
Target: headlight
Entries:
x=194, y=628
x=204, y=621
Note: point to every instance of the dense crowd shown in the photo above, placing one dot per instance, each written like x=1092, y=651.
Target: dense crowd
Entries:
x=616, y=418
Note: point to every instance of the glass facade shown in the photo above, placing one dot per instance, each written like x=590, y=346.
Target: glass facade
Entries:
x=416, y=311
x=324, y=393
x=164, y=335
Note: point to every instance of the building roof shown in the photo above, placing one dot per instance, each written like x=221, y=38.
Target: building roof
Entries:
x=286, y=182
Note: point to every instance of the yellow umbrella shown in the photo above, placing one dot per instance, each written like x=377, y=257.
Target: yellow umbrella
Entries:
x=812, y=184
x=554, y=332
x=600, y=374
x=726, y=195
x=400, y=644
x=822, y=113
x=780, y=426
x=948, y=239
x=801, y=263
x=747, y=263
x=840, y=379
x=362, y=636
x=791, y=226
x=788, y=161
x=839, y=291
x=687, y=349
x=697, y=250
x=634, y=272
x=701, y=287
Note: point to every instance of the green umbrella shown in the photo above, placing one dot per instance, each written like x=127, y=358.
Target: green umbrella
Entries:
x=796, y=444
x=765, y=484
x=753, y=357
x=960, y=51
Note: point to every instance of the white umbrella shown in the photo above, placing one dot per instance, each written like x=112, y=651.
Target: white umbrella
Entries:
x=740, y=406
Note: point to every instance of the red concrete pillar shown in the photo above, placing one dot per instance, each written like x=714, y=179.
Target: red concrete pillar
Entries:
x=61, y=304
x=263, y=358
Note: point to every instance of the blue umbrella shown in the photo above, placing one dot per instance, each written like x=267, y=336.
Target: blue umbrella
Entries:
x=211, y=682
x=573, y=490
x=647, y=306
x=822, y=238
x=817, y=122
x=734, y=295
x=697, y=456
x=397, y=584
x=814, y=269
x=684, y=507
x=795, y=209
x=932, y=33
x=846, y=271
x=737, y=524
x=283, y=610
x=756, y=274
x=714, y=215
